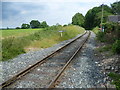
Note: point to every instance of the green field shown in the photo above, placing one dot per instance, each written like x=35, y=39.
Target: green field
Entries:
x=18, y=32
x=36, y=39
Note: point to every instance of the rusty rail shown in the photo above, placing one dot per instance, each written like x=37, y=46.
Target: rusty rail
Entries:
x=28, y=69
x=54, y=81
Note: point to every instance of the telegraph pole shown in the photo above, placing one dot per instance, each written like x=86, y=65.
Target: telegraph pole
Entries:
x=117, y=21
x=117, y=5
x=102, y=17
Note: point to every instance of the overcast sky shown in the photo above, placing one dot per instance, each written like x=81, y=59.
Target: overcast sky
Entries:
x=16, y=12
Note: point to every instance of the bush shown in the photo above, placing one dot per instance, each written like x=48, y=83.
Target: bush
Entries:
x=17, y=28
x=118, y=30
x=96, y=30
x=109, y=27
x=116, y=47
x=116, y=79
x=101, y=36
x=111, y=33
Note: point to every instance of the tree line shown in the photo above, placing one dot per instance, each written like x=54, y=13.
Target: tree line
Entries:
x=93, y=16
x=89, y=21
x=33, y=24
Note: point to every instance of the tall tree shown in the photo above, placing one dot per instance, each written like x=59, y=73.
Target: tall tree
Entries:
x=93, y=16
x=17, y=28
x=78, y=19
x=89, y=19
x=116, y=7
x=43, y=24
x=35, y=24
x=25, y=26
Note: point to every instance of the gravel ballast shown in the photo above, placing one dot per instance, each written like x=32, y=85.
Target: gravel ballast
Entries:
x=41, y=76
x=84, y=71
x=15, y=65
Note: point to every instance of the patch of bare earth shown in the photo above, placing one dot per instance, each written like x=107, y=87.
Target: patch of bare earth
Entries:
x=32, y=49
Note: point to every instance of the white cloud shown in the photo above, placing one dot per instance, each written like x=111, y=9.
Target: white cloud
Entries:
x=102, y=1
x=23, y=12
x=52, y=11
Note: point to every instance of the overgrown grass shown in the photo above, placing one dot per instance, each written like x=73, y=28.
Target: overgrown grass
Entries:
x=116, y=47
x=18, y=32
x=105, y=48
x=116, y=79
x=53, y=37
x=11, y=47
x=96, y=30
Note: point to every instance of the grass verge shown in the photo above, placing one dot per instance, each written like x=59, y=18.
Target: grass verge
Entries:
x=11, y=47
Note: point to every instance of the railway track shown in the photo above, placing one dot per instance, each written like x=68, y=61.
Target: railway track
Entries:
x=46, y=72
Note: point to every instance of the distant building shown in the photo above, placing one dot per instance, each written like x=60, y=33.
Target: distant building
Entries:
x=114, y=18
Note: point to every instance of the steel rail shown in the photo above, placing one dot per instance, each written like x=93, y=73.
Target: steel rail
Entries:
x=54, y=81
x=28, y=69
